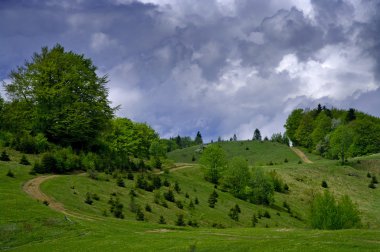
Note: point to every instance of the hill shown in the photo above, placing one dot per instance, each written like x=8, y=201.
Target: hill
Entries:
x=93, y=227
x=255, y=152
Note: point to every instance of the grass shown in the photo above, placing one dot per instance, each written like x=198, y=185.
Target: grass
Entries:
x=29, y=225
x=256, y=153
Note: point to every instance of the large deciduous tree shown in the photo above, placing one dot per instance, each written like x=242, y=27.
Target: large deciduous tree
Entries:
x=213, y=159
x=62, y=95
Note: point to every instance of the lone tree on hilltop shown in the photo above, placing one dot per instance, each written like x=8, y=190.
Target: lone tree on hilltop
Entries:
x=257, y=135
x=198, y=138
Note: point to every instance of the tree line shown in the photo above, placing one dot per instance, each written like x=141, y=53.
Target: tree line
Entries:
x=334, y=133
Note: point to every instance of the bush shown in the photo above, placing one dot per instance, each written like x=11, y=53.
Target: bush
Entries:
x=148, y=208
x=212, y=199
x=162, y=220
x=169, y=196
x=176, y=187
x=180, y=221
x=120, y=182
x=4, y=156
x=10, y=174
x=254, y=220
x=166, y=183
x=267, y=215
x=179, y=204
x=327, y=213
x=95, y=197
x=24, y=160
x=234, y=213
x=116, y=208
x=139, y=215
x=196, y=201
x=130, y=175
x=324, y=184
x=369, y=175
x=88, y=199
x=191, y=205
x=157, y=182
x=374, y=180
x=372, y=185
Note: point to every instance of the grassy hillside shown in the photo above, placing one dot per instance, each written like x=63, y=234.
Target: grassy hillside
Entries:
x=40, y=228
x=256, y=153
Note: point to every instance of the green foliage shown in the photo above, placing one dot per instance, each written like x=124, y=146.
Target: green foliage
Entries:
x=198, y=139
x=120, y=182
x=340, y=142
x=180, y=220
x=176, y=187
x=24, y=160
x=260, y=189
x=292, y=124
x=212, y=199
x=162, y=220
x=88, y=199
x=256, y=135
x=140, y=215
x=179, y=204
x=278, y=183
x=324, y=184
x=64, y=98
x=254, y=220
x=213, y=160
x=4, y=156
x=10, y=174
x=169, y=196
x=327, y=213
x=148, y=208
x=234, y=213
x=116, y=207
x=304, y=131
x=236, y=177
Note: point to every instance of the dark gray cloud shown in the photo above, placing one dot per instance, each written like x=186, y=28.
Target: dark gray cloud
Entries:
x=219, y=66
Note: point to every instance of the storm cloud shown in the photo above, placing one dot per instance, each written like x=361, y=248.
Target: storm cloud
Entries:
x=218, y=66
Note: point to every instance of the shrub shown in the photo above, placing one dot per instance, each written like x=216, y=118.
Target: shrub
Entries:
x=95, y=197
x=48, y=163
x=186, y=195
x=212, y=200
x=196, y=201
x=148, y=208
x=180, y=221
x=278, y=183
x=286, y=160
x=88, y=199
x=192, y=223
x=234, y=213
x=130, y=175
x=179, y=204
x=372, y=185
x=166, y=183
x=4, y=156
x=324, y=184
x=374, y=180
x=327, y=213
x=267, y=215
x=141, y=182
x=286, y=206
x=120, y=182
x=254, y=220
x=191, y=205
x=10, y=174
x=176, y=187
x=157, y=182
x=169, y=196
x=369, y=175
x=139, y=215
x=116, y=207
x=162, y=220
x=24, y=160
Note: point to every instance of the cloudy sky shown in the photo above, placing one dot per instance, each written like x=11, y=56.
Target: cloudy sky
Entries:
x=218, y=66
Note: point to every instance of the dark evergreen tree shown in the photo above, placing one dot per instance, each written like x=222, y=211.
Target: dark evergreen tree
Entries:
x=257, y=135
x=4, y=156
x=24, y=160
x=198, y=138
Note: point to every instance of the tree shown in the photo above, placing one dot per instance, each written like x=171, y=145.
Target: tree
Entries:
x=292, y=124
x=304, y=130
x=340, y=142
x=322, y=128
x=213, y=160
x=198, y=138
x=234, y=138
x=260, y=189
x=63, y=96
x=350, y=115
x=236, y=177
x=257, y=135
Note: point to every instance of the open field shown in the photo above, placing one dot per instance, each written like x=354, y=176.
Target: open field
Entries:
x=28, y=225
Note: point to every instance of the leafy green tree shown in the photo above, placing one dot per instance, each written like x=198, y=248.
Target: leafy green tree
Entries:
x=62, y=95
x=292, y=124
x=366, y=137
x=236, y=177
x=260, y=189
x=340, y=142
x=304, y=130
x=213, y=160
x=198, y=138
x=327, y=213
x=256, y=135
x=321, y=129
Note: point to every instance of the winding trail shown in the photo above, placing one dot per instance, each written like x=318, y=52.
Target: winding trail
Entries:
x=32, y=188
x=302, y=155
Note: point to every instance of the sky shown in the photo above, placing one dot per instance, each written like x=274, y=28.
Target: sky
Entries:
x=222, y=67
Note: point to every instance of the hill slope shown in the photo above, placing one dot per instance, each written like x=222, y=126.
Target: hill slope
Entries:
x=40, y=228
x=256, y=153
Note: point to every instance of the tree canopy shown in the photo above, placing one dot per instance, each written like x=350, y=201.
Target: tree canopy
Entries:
x=59, y=94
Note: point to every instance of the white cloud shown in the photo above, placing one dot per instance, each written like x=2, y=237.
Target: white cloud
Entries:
x=337, y=72
x=101, y=41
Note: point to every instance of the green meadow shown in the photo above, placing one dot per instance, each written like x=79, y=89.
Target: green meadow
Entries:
x=27, y=224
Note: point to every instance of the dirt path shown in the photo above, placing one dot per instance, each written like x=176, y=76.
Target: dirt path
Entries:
x=32, y=188
x=302, y=155
x=179, y=166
